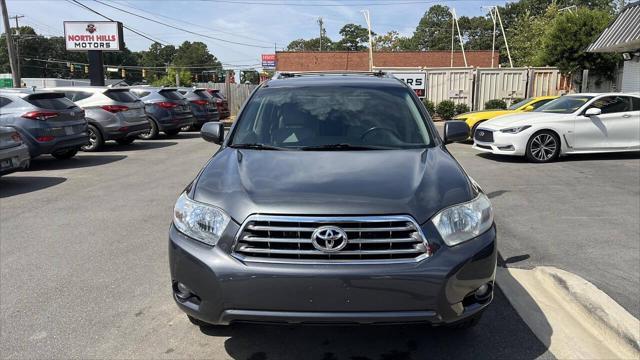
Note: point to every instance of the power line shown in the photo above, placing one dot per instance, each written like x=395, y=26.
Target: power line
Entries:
x=192, y=24
x=304, y=4
x=180, y=29
x=76, y=2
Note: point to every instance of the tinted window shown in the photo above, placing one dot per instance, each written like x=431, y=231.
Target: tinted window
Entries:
x=218, y=95
x=50, y=101
x=564, y=104
x=182, y=92
x=122, y=96
x=141, y=93
x=316, y=116
x=540, y=103
x=635, y=103
x=76, y=95
x=612, y=104
x=203, y=94
x=518, y=104
x=171, y=94
x=4, y=101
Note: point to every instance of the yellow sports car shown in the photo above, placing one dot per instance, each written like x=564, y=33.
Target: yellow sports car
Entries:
x=476, y=117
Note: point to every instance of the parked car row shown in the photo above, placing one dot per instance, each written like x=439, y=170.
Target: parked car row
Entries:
x=543, y=129
x=63, y=120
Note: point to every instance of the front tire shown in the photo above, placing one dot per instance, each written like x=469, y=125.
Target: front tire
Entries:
x=64, y=154
x=95, y=139
x=152, y=133
x=543, y=147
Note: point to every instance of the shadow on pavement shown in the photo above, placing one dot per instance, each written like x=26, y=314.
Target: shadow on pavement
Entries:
x=138, y=145
x=16, y=185
x=568, y=158
x=501, y=334
x=78, y=161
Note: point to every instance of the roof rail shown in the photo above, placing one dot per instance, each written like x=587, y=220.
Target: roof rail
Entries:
x=291, y=74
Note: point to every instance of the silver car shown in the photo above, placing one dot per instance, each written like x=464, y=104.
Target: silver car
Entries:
x=112, y=113
x=14, y=154
x=48, y=122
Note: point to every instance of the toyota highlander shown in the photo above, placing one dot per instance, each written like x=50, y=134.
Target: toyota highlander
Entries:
x=333, y=200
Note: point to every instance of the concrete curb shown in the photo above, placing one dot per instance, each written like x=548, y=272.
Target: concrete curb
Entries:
x=569, y=315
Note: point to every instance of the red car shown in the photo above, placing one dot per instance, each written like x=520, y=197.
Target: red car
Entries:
x=221, y=103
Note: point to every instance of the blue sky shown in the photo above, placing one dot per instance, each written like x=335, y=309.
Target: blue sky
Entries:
x=246, y=21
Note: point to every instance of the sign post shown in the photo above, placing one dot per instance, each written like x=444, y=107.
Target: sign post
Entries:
x=94, y=38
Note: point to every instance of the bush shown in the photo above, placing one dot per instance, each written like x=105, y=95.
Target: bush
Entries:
x=431, y=107
x=446, y=109
x=495, y=104
x=461, y=108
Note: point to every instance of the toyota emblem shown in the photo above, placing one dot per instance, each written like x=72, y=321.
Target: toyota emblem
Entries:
x=329, y=239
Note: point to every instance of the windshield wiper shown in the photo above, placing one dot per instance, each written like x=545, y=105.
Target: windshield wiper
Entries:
x=343, y=146
x=256, y=146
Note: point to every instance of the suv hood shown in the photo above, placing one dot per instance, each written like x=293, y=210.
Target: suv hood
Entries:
x=418, y=182
x=526, y=118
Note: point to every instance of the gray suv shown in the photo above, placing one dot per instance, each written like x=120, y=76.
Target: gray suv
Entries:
x=203, y=106
x=48, y=122
x=333, y=200
x=167, y=110
x=112, y=114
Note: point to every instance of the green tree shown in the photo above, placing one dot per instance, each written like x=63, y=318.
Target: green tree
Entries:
x=525, y=48
x=354, y=38
x=564, y=43
x=311, y=44
x=195, y=54
x=249, y=76
x=170, y=78
x=391, y=41
x=434, y=30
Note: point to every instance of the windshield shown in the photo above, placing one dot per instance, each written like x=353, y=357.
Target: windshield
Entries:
x=564, y=104
x=519, y=103
x=332, y=115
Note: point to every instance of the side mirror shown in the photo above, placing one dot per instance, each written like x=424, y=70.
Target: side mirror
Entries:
x=528, y=108
x=212, y=132
x=455, y=131
x=593, y=112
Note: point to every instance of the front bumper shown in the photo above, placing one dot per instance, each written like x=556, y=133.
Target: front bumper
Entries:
x=436, y=290
x=503, y=144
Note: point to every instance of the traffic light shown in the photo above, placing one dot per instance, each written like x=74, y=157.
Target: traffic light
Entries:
x=86, y=69
x=144, y=73
x=71, y=67
x=123, y=73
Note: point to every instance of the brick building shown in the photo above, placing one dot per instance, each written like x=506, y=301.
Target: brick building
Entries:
x=359, y=60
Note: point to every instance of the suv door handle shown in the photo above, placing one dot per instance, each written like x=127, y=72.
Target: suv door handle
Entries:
x=626, y=116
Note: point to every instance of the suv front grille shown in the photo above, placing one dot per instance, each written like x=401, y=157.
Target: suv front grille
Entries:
x=291, y=238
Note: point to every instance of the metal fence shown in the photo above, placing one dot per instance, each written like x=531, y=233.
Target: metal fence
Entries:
x=236, y=94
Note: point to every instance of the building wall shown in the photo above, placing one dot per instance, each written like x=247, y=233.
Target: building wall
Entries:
x=359, y=60
x=631, y=76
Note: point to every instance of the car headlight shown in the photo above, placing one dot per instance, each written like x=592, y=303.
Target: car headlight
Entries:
x=462, y=222
x=515, y=130
x=199, y=221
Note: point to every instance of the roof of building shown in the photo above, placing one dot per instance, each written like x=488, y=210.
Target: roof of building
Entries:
x=623, y=34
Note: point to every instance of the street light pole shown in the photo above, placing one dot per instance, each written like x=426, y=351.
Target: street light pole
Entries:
x=13, y=61
x=367, y=18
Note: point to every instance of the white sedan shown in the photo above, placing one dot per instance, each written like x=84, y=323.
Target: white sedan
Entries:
x=571, y=124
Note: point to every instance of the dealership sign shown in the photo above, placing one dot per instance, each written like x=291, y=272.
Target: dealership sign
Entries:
x=416, y=80
x=268, y=61
x=93, y=35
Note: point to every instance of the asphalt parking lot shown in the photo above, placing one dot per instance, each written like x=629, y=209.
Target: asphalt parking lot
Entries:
x=84, y=272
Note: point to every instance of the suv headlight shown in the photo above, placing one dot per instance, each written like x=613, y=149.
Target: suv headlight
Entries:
x=515, y=130
x=199, y=221
x=462, y=222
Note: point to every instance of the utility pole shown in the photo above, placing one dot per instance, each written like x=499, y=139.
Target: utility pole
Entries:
x=15, y=71
x=321, y=23
x=16, y=17
x=504, y=35
x=464, y=55
x=367, y=18
x=493, y=44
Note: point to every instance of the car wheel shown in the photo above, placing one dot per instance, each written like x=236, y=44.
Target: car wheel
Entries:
x=95, y=139
x=126, y=141
x=172, y=132
x=152, y=133
x=466, y=323
x=64, y=154
x=542, y=147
